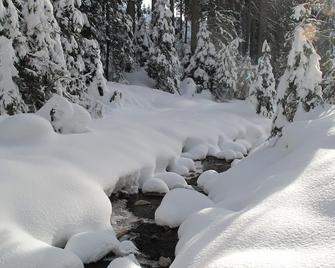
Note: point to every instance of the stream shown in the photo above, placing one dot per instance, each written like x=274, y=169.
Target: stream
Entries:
x=133, y=219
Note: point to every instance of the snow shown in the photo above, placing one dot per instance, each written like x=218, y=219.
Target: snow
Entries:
x=178, y=204
x=182, y=166
x=92, y=246
x=54, y=187
x=172, y=180
x=282, y=198
x=24, y=129
x=206, y=178
x=188, y=87
x=124, y=262
x=155, y=185
x=65, y=117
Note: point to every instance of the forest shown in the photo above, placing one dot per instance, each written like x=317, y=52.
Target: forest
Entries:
x=167, y=133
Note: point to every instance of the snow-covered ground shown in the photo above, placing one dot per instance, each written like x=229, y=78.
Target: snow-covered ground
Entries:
x=276, y=208
x=54, y=188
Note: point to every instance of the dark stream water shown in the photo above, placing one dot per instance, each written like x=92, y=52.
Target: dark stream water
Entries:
x=133, y=219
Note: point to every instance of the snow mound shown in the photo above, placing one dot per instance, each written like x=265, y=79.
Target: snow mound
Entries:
x=172, y=180
x=206, y=178
x=182, y=166
x=197, y=152
x=229, y=155
x=178, y=204
x=155, y=185
x=65, y=117
x=92, y=246
x=124, y=262
x=23, y=129
x=188, y=87
x=240, y=147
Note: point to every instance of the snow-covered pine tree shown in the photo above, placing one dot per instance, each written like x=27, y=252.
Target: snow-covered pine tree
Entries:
x=299, y=89
x=226, y=72
x=263, y=89
x=329, y=76
x=44, y=66
x=10, y=98
x=203, y=63
x=71, y=22
x=142, y=41
x=120, y=41
x=187, y=54
x=244, y=78
x=163, y=63
x=86, y=83
x=329, y=64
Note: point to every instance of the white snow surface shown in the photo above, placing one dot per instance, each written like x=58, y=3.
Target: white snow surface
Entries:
x=54, y=187
x=178, y=204
x=155, y=185
x=278, y=206
x=124, y=262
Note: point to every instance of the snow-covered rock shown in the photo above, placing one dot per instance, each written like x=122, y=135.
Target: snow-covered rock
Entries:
x=92, y=246
x=65, y=117
x=206, y=178
x=182, y=166
x=124, y=262
x=178, y=204
x=155, y=185
x=172, y=180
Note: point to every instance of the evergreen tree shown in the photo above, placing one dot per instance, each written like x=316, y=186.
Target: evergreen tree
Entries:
x=328, y=40
x=226, y=73
x=142, y=41
x=244, y=78
x=10, y=98
x=263, y=90
x=82, y=53
x=329, y=78
x=44, y=66
x=71, y=22
x=120, y=41
x=163, y=63
x=203, y=62
x=299, y=89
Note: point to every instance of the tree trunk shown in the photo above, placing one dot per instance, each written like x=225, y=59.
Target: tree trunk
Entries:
x=131, y=10
x=107, y=12
x=172, y=10
x=195, y=17
x=153, y=2
x=262, y=26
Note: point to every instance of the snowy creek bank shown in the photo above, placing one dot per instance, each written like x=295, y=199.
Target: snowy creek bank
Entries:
x=134, y=219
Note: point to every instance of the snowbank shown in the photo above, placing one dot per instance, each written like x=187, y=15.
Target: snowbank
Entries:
x=283, y=201
x=54, y=187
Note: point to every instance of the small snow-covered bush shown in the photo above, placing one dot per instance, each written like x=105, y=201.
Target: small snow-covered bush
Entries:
x=188, y=87
x=65, y=117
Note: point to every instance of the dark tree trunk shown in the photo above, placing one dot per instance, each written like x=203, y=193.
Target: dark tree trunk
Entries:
x=131, y=10
x=107, y=8
x=195, y=17
x=172, y=10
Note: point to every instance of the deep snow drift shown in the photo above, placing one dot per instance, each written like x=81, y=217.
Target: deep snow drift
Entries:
x=275, y=208
x=54, y=187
